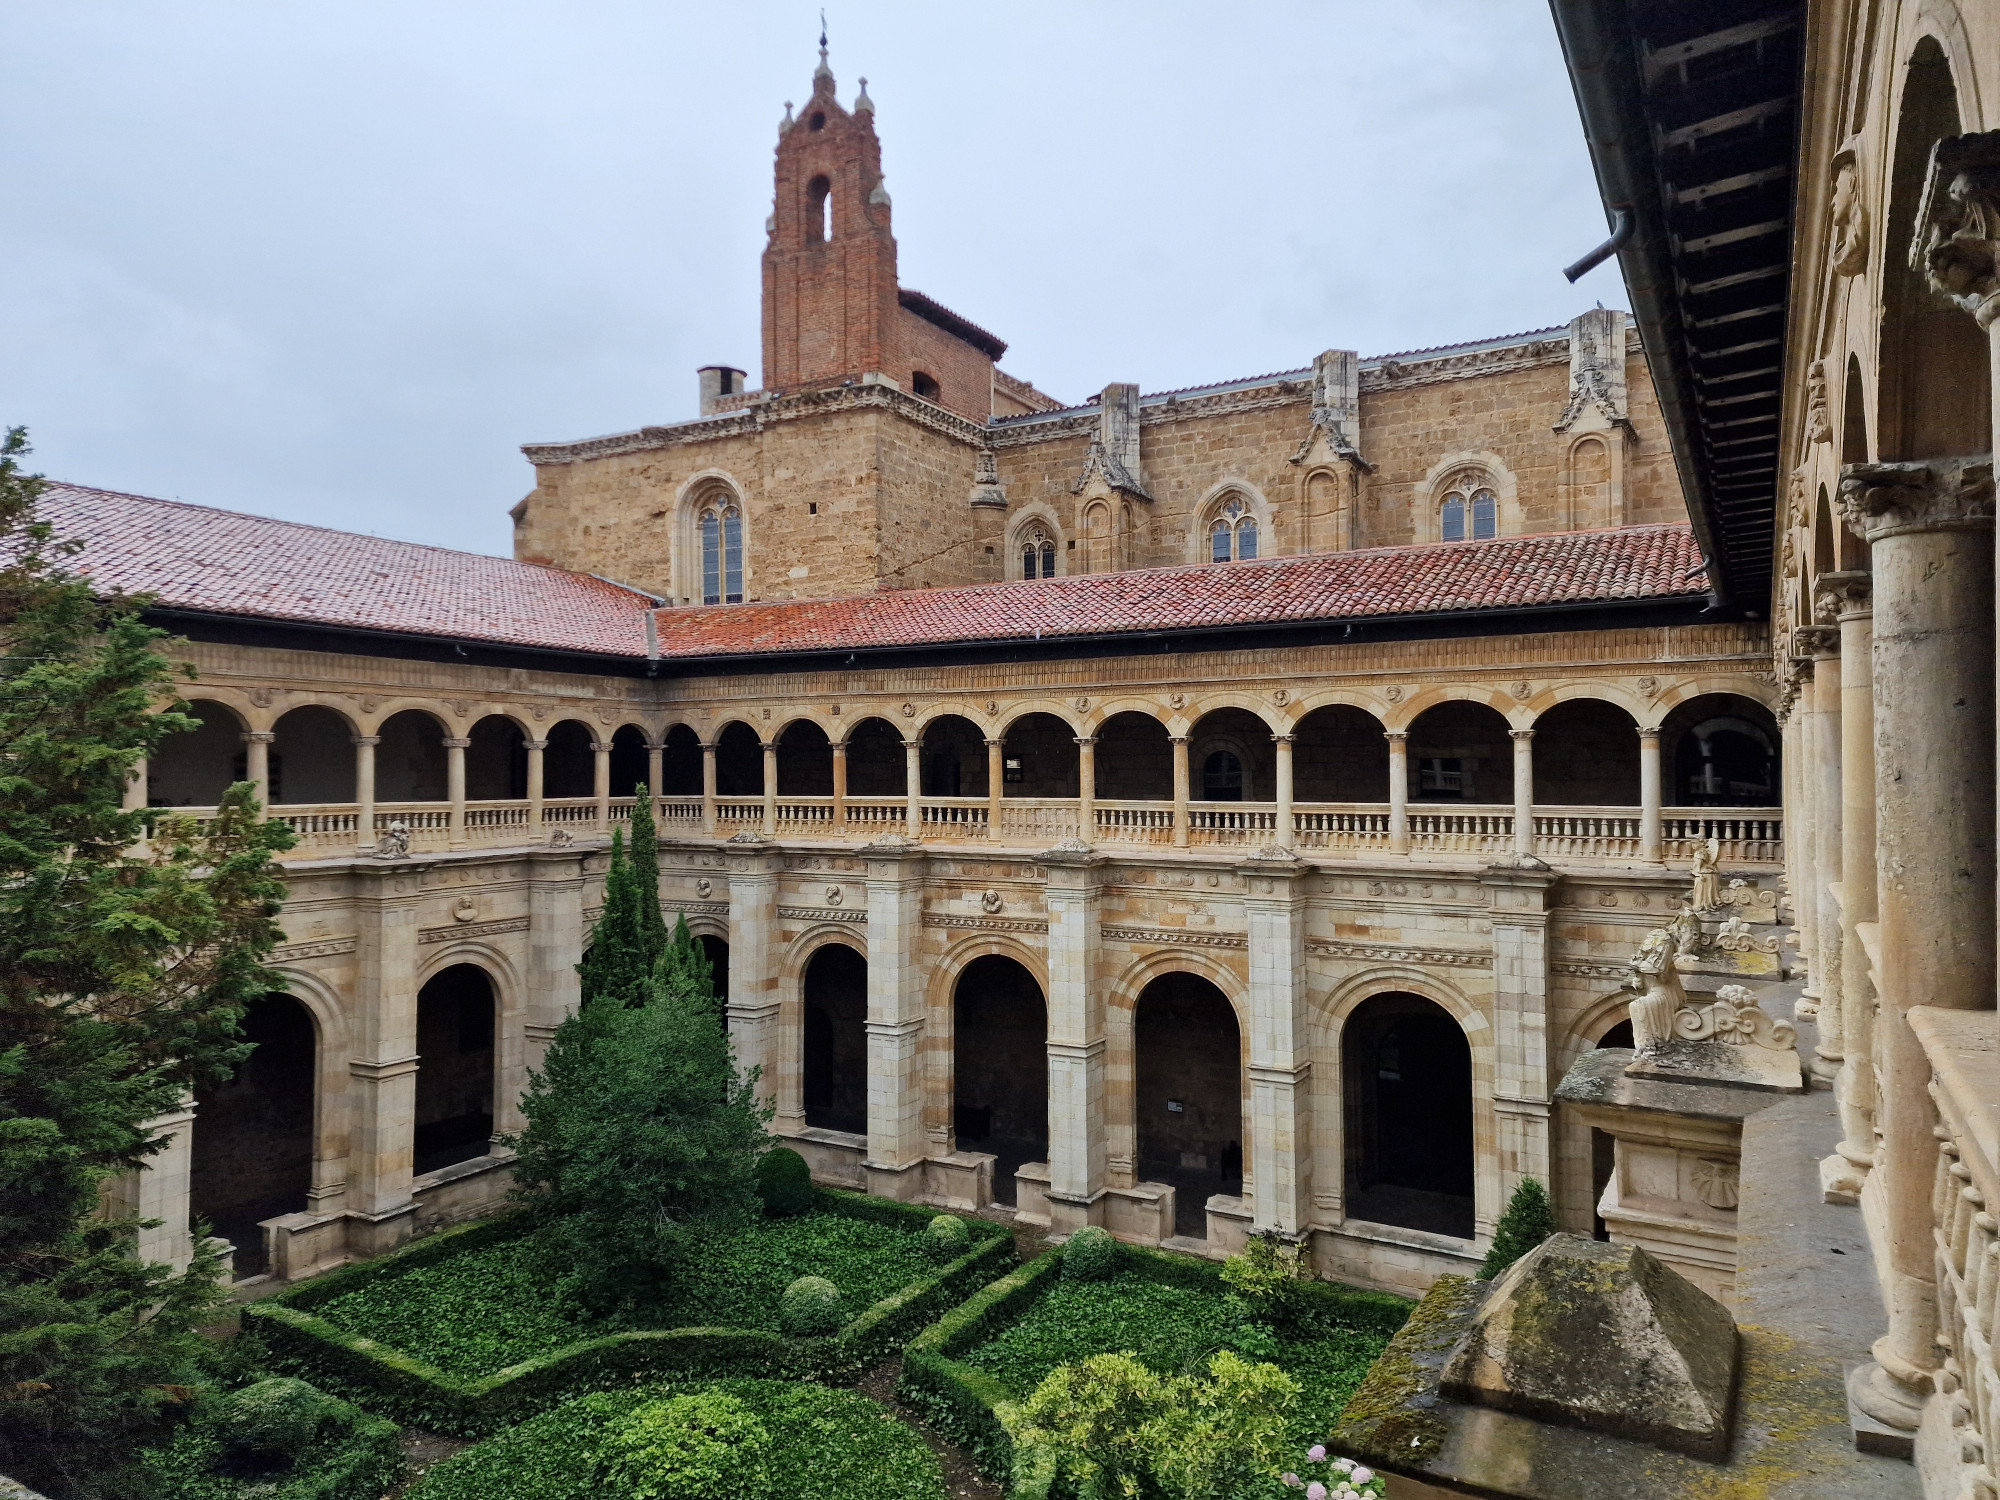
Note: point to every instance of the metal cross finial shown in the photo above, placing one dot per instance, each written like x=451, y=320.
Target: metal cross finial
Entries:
x=822, y=30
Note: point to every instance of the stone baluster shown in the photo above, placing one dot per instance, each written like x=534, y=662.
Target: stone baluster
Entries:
x=257, y=765
x=913, y=787
x=1180, y=744
x=770, y=789
x=1086, y=788
x=454, y=782
x=1929, y=525
x=536, y=785
x=1848, y=595
x=1650, y=848
x=708, y=787
x=1399, y=790
x=1285, y=834
x=364, y=792
x=839, y=786
x=1524, y=790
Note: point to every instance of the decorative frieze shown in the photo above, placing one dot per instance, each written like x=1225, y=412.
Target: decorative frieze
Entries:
x=1182, y=937
x=822, y=914
x=472, y=929
x=291, y=953
x=1401, y=953
x=983, y=923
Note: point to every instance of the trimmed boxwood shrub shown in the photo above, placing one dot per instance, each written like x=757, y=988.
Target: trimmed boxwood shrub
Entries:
x=694, y=1447
x=810, y=1305
x=1090, y=1255
x=278, y=1440
x=947, y=1237
x=289, y=1336
x=784, y=1181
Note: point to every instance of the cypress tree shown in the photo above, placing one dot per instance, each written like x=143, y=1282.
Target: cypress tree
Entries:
x=645, y=866
x=1526, y=1223
x=683, y=967
x=614, y=966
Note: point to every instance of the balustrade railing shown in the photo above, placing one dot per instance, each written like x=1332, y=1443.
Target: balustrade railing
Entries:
x=680, y=813
x=736, y=814
x=802, y=817
x=1133, y=822
x=1461, y=829
x=1038, y=820
x=1357, y=826
x=955, y=817
x=1587, y=832
x=1745, y=835
x=878, y=815
x=1232, y=823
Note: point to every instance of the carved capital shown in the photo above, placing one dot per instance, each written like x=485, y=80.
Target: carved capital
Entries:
x=1816, y=640
x=534, y=744
x=259, y=736
x=458, y=743
x=1938, y=494
x=1395, y=736
x=1522, y=735
x=1956, y=247
x=366, y=739
x=1840, y=596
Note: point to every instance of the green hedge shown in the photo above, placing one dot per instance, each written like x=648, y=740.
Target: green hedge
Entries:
x=290, y=1339
x=356, y=1457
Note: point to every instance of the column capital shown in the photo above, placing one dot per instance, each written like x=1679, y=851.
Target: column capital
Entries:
x=770, y=747
x=259, y=736
x=1395, y=736
x=1816, y=641
x=1520, y=736
x=1283, y=739
x=1649, y=732
x=1956, y=247
x=708, y=747
x=599, y=747
x=1937, y=494
x=994, y=744
x=1843, y=596
x=365, y=739
x=534, y=744
x=1086, y=739
x=458, y=743
x=1177, y=739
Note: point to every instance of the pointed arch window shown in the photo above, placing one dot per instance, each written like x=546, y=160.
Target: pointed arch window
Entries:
x=721, y=554
x=1038, y=553
x=1469, y=511
x=1232, y=535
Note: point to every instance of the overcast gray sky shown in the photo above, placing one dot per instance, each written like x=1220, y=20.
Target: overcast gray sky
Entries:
x=336, y=261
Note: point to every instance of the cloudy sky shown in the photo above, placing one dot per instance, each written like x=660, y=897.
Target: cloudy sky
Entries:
x=336, y=261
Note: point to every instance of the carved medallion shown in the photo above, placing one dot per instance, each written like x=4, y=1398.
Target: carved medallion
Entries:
x=909, y=710
x=704, y=887
x=990, y=902
x=834, y=895
x=465, y=911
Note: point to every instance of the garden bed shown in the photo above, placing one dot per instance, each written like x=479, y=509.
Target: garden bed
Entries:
x=969, y=1372
x=457, y=1333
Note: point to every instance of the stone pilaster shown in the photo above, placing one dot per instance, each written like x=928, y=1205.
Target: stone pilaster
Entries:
x=555, y=938
x=1519, y=894
x=1076, y=1041
x=894, y=1164
x=160, y=1190
x=753, y=960
x=382, y=1087
x=1280, y=1154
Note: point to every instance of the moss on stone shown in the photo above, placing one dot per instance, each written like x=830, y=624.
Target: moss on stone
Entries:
x=1390, y=1419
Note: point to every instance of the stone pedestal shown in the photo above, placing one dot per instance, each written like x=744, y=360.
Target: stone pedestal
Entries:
x=159, y=1191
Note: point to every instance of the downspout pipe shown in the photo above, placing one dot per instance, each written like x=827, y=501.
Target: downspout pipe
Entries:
x=1621, y=234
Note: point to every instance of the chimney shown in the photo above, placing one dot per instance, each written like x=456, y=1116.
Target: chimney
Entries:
x=717, y=383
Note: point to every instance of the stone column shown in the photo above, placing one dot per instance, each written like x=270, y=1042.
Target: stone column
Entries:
x=1524, y=791
x=1929, y=526
x=1076, y=1041
x=1399, y=790
x=134, y=800
x=454, y=781
x=893, y=1167
x=753, y=964
x=601, y=783
x=1801, y=863
x=364, y=792
x=996, y=785
x=1086, y=788
x=655, y=767
x=1180, y=744
x=382, y=1088
x=708, y=788
x=160, y=1190
x=1285, y=835
x=257, y=764
x=770, y=789
x=1849, y=596
x=536, y=785
x=913, y=788
x=1823, y=765
x=1279, y=1150
x=555, y=938
x=1650, y=848
x=1521, y=1085
x=839, y=785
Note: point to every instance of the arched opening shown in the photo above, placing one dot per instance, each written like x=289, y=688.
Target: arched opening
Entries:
x=1339, y=755
x=194, y=768
x=1000, y=1067
x=1098, y=540
x=1933, y=395
x=1040, y=757
x=410, y=761
x=1407, y=1077
x=834, y=1019
x=805, y=761
x=1460, y=752
x=1724, y=751
x=876, y=763
x=253, y=1135
x=1854, y=449
x=924, y=385
x=1231, y=758
x=569, y=765
x=680, y=763
x=819, y=198
x=1135, y=759
x=1590, y=479
x=312, y=757
x=628, y=761
x=455, y=1012
x=1188, y=1095
x=496, y=762
x=739, y=762
x=1586, y=755
x=717, y=952
x=954, y=758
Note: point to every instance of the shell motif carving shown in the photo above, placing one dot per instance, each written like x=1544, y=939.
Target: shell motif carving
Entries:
x=1715, y=1183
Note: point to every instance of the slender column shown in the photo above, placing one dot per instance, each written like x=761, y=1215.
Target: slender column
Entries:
x=1650, y=846
x=996, y=785
x=536, y=786
x=839, y=784
x=1286, y=835
x=1399, y=790
x=454, y=781
x=1849, y=597
x=1929, y=526
x=1823, y=765
x=1802, y=850
x=894, y=1164
x=257, y=764
x=134, y=800
x=1279, y=1148
x=1076, y=1043
x=655, y=767
x=708, y=787
x=753, y=966
x=1524, y=790
x=913, y=786
x=1180, y=744
x=1086, y=788
x=770, y=789
x=364, y=792
x=601, y=783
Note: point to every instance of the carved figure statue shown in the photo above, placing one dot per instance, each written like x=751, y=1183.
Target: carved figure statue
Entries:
x=1656, y=983
x=561, y=838
x=1686, y=928
x=395, y=841
x=1707, y=875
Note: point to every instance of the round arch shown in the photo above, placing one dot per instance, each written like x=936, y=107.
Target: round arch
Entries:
x=196, y=766
x=1408, y=1096
x=1000, y=1071
x=953, y=759
x=255, y=1133
x=569, y=764
x=1460, y=750
x=458, y=1014
x=1040, y=755
x=1586, y=754
x=703, y=573
x=1135, y=758
x=1247, y=527
x=1189, y=1063
x=311, y=760
x=877, y=760
x=832, y=992
x=1035, y=528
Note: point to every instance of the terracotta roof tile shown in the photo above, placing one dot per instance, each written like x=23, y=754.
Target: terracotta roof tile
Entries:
x=1573, y=567
x=223, y=562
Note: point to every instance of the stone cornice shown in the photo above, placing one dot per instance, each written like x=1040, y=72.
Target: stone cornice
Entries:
x=983, y=924
x=472, y=929
x=291, y=953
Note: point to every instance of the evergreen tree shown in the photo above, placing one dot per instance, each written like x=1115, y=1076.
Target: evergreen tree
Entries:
x=1527, y=1222
x=645, y=864
x=684, y=965
x=122, y=977
x=615, y=966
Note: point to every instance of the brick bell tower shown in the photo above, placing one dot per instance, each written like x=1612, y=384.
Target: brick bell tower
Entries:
x=830, y=298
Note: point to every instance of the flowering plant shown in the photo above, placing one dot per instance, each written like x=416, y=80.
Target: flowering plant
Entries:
x=1344, y=1478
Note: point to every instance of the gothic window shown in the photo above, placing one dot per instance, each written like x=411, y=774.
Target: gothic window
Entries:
x=1469, y=511
x=1038, y=553
x=721, y=525
x=1232, y=535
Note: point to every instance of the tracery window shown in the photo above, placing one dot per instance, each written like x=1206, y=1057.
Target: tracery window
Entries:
x=1232, y=535
x=1038, y=553
x=1469, y=511
x=721, y=527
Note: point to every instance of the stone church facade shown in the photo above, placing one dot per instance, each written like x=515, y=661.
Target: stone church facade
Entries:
x=1187, y=812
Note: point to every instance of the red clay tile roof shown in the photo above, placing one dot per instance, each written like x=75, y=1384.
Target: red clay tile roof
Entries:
x=1571, y=567
x=226, y=563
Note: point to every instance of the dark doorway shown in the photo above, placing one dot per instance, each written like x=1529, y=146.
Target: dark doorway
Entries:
x=835, y=1082
x=877, y=764
x=805, y=761
x=739, y=762
x=569, y=765
x=1461, y=752
x=680, y=765
x=496, y=762
x=1189, y=1095
x=718, y=966
x=1586, y=755
x=312, y=757
x=954, y=758
x=1339, y=755
x=1408, y=1086
x=1233, y=758
x=253, y=1135
x=629, y=762
x=1039, y=757
x=1000, y=1069
x=194, y=768
x=1135, y=759
x=454, y=1068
